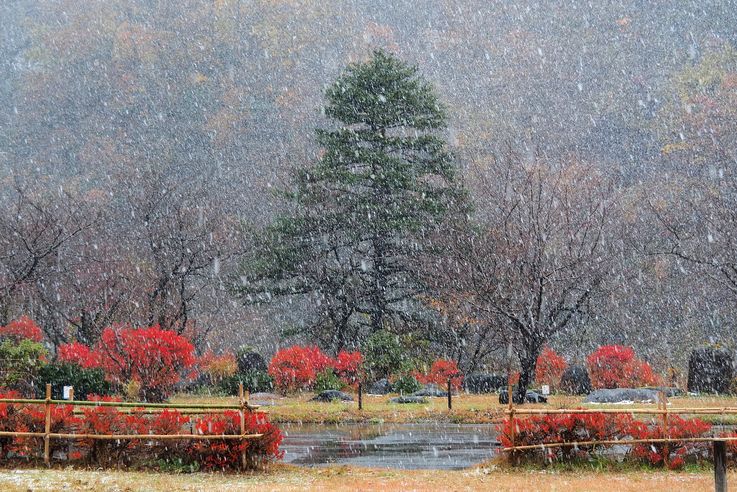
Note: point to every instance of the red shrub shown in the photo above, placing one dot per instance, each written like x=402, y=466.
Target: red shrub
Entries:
x=615, y=366
x=549, y=368
x=214, y=454
x=226, y=454
x=23, y=328
x=9, y=421
x=157, y=359
x=109, y=420
x=547, y=429
x=654, y=453
x=318, y=359
x=78, y=353
x=32, y=418
x=440, y=372
x=296, y=368
x=348, y=367
x=168, y=422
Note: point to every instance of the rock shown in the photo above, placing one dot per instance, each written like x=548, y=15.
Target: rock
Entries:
x=431, y=390
x=332, y=395
x=710, y=371
x=264, y=399
x=530, y=397
x=669, y=392
x=249, y=360
x=575, y=381
x=408, y=399
x=623, y=395
x=484, y=383
x=380, y=387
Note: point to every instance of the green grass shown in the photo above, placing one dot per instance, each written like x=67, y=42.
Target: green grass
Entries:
x=466, y=408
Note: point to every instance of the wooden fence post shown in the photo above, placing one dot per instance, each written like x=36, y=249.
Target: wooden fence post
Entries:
x=666, y=431
x=242, y=402
x=360, y=395
x=512, y=426
x=450, y=397
x=71, y=393
x=47, y=427
x=720, y=466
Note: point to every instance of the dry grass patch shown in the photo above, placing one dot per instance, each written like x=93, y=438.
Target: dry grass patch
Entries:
x=467, y=408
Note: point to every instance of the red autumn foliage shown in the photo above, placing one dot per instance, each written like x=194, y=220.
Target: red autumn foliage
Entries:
x=210, y=454
x=678, y=428
x=348, y=367
x=545, y=429
x=226, y=454
x=570, y=428
x=32, y=418
x=549, y=368
x=23, y=328
x=78, y=353
x=318, y=359
x=296, y=368
x=157, y=359
x=615, y=366
x=440, y=372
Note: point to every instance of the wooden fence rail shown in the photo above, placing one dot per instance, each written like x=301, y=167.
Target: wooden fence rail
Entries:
x=718, y=442
x=133, y=407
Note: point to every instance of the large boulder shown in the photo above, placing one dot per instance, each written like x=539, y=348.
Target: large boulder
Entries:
x=530, y=397
x=431, y=390
x=623, y=395
x=670, y=392
x=380, y=387
x=332, y=395
x=408, y=399
x=710, y=371
x=575, y=381
x=248, y=361
x=484, y=383
x=264, y=399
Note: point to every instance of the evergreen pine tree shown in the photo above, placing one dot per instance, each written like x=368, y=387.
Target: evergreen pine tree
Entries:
x=364, y=212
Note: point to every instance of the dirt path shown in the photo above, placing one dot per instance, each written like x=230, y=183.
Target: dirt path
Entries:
x=342, y=478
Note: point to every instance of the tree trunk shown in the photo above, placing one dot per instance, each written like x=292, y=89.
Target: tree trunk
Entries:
x=528, y=363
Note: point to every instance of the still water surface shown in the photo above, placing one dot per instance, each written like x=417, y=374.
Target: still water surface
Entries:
x=404, y=446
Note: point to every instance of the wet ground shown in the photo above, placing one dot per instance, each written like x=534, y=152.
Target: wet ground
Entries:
x=405, y=446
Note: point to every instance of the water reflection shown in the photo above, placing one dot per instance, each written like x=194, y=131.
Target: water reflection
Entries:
x=404, y=446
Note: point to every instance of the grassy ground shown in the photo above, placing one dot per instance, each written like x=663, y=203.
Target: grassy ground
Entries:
x=466, y=408
x=341, y=478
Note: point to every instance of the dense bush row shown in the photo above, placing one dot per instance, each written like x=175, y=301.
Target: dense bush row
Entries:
x=191, y=453
x=150, y=364
x=307, y=368
x=547, y=429
x=609, y=366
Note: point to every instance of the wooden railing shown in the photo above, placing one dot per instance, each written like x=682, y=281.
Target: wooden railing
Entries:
x=719, y=442
x=137, y=407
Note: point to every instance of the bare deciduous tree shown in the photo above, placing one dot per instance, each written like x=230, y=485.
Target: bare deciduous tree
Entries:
x=535, y=260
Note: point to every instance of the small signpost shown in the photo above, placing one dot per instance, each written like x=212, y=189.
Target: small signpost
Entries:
x=546, y=390
x=68, y=393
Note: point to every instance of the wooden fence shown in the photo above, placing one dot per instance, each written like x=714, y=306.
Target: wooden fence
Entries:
x=719, y=443
x=137, y=407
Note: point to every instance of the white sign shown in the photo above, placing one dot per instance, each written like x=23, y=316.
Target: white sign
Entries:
x=546, y=390
x=67, y=392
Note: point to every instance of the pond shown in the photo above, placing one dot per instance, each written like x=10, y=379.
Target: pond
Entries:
x=405, y=446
